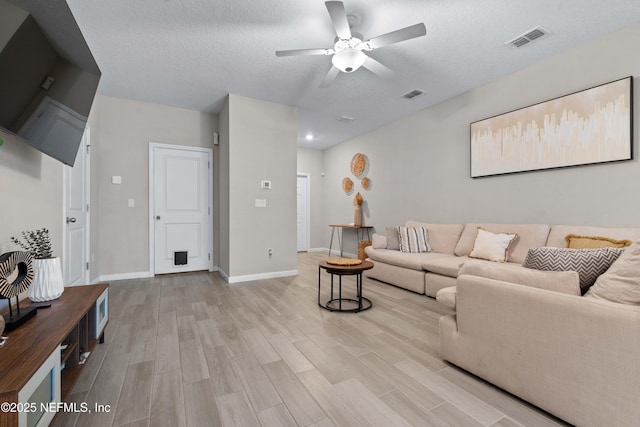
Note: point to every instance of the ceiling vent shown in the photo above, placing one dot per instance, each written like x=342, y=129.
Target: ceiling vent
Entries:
x=345, y=119
x=528, y=37
x=413, y=94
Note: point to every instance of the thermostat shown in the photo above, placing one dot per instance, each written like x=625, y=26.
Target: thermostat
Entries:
x=265, y=185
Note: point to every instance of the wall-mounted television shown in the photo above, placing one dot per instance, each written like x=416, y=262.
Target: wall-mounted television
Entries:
x=48, y=77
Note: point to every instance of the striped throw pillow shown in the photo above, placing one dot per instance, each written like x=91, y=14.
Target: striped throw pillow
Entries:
x=413, y=239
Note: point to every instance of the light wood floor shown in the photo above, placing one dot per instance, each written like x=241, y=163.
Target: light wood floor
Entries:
x=192, y=350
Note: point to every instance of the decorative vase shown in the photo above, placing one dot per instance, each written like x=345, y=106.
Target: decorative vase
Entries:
x=48, y=283
x=357, y=216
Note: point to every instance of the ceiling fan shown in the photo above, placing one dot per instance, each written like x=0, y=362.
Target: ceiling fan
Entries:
x=348, y=50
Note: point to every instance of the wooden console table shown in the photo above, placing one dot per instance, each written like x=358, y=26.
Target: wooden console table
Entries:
x=359, y=229
x=77, y=320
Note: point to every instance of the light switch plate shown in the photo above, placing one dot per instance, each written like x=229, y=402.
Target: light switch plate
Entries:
x=116, y=179
x=261, y=203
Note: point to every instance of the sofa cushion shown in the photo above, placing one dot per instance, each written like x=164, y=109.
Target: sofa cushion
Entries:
x=575, y=241
x=393, y=242
x=447, y=265
x=621, y=282
x=566, y=282
x=529, y=236
x=413, y=261
x=589, y=263
x=413, y=239
x=447, y=297
x=492, y=246
x=559, y=232
x=443, y=238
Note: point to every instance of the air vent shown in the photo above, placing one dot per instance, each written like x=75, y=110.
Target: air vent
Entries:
x=413, y=94
x=528, y=37
x=345, y=119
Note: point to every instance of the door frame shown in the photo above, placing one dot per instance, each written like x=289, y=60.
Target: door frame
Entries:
x=152, y=240
x=85, y=144
x=307, y=227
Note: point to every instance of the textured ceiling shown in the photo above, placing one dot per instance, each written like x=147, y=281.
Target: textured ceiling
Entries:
x=192, y=53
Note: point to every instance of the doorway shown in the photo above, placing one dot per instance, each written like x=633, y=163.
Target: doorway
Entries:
x=180, y=228
x=76, y=217
x=303, y=220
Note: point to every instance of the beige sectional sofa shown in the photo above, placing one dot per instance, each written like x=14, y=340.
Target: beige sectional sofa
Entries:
x=573, y=356
x=451, y=244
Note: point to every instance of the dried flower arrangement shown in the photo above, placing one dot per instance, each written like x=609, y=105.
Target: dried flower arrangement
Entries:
x=37, y=242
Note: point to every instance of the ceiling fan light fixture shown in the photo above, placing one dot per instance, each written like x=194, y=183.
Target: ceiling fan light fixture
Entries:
x=348, y=60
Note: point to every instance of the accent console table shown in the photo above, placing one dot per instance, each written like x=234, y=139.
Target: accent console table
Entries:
x=360, y=229
x=42, y=359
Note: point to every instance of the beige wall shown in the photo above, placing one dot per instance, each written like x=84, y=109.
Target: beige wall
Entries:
x=121, y=135
x=420, y=164
x=262, y=146
x=311, y=161
x=222, y=185
x=31, y=193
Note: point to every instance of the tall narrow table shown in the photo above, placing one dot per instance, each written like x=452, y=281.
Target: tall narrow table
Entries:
x=360, y=229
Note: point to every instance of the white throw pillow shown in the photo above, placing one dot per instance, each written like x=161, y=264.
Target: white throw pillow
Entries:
x=379, y=241
x=492, y=246
x=413, y=239
x=621, y=282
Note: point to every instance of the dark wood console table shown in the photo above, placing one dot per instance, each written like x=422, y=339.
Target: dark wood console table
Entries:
x=77, y=320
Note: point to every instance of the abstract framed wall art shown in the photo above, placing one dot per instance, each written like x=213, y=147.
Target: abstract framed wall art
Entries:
x=587, y=127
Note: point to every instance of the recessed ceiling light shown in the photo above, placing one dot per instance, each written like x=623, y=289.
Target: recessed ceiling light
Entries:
x=309, y=137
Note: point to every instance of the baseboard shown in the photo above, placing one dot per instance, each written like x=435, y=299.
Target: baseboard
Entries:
x=261, y=276
x=124, y=276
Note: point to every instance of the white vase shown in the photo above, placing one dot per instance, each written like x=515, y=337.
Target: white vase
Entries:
x=48, y=283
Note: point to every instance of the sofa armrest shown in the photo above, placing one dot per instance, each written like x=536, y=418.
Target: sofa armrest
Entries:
x=574, y=357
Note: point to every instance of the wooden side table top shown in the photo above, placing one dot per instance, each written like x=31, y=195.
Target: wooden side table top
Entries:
x=346, y=269
x=350, y=226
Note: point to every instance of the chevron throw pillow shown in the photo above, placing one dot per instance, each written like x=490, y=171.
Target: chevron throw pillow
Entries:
x=589, y=263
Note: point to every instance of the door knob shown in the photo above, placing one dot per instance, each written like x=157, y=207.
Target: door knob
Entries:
x=70, y=220
x=158, y=217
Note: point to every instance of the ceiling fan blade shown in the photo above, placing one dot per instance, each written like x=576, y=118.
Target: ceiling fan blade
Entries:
x=377, y=68
x=297, y=52
x=330, y=77
x=339, y=18
x=402, y=34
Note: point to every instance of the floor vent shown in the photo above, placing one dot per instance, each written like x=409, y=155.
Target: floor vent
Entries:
x=413, y=94
x=528, y=37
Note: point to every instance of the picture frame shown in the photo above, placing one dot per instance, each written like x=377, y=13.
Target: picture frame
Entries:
x=587, y=127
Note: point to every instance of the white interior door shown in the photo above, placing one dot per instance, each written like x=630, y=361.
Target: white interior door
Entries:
x=76, y=217
x=181, y=209
x=303, y=212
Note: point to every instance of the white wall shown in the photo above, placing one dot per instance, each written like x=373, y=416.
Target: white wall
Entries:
x=420, y=164
x=311, y=161
x=262, y=146
x=121, y=132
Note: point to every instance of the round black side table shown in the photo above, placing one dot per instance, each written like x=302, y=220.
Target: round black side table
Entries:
x=336, y=304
